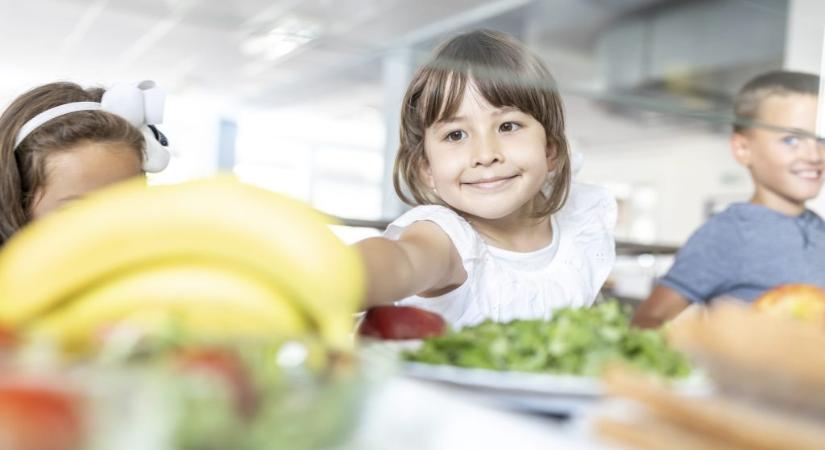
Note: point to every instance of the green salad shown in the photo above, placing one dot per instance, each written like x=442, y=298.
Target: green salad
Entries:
x=179, y=391
x=575, y=341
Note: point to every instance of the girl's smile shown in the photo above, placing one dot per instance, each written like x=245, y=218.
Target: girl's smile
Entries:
x=490, y=184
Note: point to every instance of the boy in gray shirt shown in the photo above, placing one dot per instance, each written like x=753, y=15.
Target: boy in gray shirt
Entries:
x=774, y=239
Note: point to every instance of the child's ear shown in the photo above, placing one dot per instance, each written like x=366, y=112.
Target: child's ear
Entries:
x=551, y=153
x=426, y=173
x=740, y=148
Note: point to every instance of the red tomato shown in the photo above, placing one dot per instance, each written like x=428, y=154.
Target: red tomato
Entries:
x=8, y=339
x=226, y=366
x=35, y=417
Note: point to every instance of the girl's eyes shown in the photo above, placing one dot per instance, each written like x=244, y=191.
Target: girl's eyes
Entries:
x=509, y=127
x=455, y=136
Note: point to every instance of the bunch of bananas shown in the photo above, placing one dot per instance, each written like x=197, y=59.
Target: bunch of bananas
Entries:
x=219, y=256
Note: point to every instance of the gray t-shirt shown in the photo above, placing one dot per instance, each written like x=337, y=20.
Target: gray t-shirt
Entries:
x=746, y=250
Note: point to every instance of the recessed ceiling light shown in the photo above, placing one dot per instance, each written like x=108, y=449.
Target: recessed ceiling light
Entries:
x=288, y=34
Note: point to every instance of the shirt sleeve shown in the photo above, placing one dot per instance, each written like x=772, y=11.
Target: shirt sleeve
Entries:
x=464, y=238
x=704, y=266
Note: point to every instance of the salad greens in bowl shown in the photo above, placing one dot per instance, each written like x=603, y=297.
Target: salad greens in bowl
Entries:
x=181, y=392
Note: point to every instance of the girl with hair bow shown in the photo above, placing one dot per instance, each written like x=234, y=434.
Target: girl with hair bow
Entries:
x=59, y=141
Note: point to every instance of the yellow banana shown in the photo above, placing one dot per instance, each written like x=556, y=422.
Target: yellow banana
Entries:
x=218, y=219
x=204, y=300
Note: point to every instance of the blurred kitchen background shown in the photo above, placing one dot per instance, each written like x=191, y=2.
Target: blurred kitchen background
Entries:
x=302, y=97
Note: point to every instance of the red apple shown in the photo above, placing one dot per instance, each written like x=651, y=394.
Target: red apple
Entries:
x=797, y=301
x=401, y=322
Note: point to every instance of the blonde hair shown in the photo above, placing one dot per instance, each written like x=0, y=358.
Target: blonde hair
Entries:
x=506, y=74
x=23, y=170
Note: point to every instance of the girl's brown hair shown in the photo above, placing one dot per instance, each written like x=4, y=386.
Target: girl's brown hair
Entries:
x=506, y=74
x=23, y=169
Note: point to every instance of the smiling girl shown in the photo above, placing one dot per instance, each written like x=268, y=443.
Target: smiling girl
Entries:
x=498, y=231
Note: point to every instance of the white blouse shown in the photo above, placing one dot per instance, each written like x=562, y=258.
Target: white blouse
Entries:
x=505, y=285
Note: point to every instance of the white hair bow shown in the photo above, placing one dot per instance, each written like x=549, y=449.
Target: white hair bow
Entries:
x=141, y=104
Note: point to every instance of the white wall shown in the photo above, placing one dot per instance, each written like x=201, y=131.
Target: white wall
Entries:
x=803, y=51
x=803, y=41
x=684, y=171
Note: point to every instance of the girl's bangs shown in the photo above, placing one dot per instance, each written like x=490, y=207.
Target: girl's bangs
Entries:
x=442, y=95
x=444, y=90
x=503, y=87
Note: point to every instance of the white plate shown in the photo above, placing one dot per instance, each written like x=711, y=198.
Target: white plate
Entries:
x=560, y=395
x=532, y=383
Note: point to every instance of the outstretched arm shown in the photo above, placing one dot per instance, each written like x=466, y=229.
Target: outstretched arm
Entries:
x=423, y=260
x=663, y=304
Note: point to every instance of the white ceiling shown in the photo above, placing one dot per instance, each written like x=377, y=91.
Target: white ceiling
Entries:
x=197, y=43
x=195, y=46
